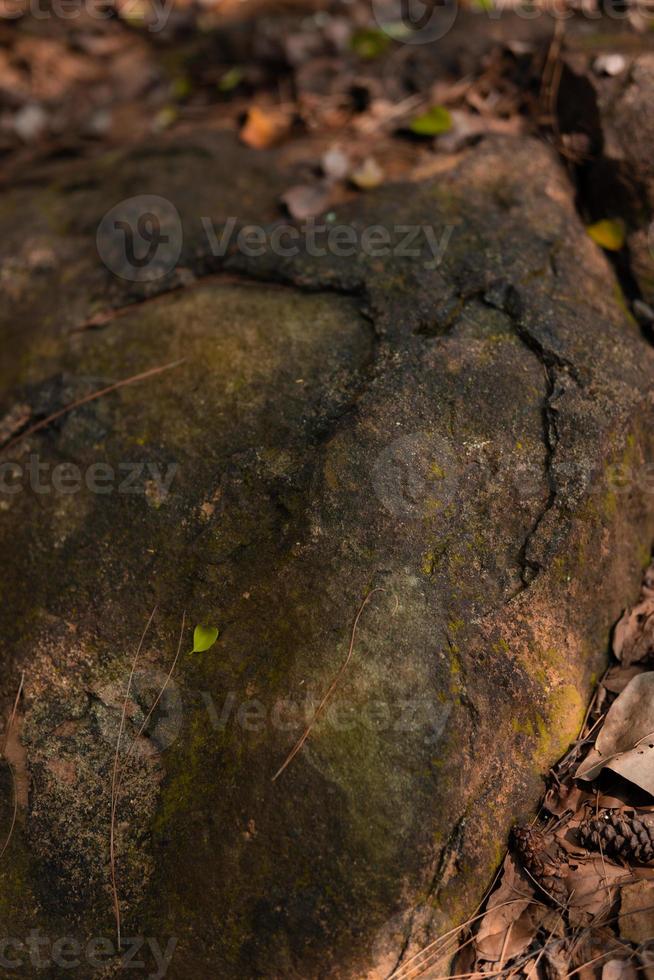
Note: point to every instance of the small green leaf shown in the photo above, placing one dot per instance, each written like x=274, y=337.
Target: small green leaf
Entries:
x=609, y=233
x=485, y=5
x=231, y=79
x=369, y=43
x=204, y=638
x=435, y=121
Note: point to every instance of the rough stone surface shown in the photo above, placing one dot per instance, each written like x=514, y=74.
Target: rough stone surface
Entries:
x=470, y=438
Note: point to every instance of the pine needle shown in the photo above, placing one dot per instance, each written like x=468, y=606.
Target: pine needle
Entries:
x=294, y=751
x=11, y=768
x=44, y=423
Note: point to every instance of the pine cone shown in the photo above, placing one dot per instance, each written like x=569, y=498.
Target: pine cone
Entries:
x=629, y=838
x=530, y=847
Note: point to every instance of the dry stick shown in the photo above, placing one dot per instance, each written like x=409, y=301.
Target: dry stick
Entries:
x=44, y=423
x=330, y=690
x=112, y=855
x=11, y=768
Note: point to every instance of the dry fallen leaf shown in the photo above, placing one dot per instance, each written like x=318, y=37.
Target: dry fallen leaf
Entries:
x=618, y=677
x=263, y=127
x=513, y=916
x=368, y=176
x=625, y=743
x=636, y=921
x=619, y=970
x=633, y=640
x=591, y=883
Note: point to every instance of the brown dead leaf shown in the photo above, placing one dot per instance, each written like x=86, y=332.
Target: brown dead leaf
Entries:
x=633, y=639
x=636, y=920
x=625, y=743
x=619, y=970
x=592, y=884
x=564, y=798
x=618, y=677
x=513, y=916
x=264, y=127
x=556, y=963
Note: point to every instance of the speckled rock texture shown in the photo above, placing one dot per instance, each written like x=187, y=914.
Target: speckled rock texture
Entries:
x=471, y=437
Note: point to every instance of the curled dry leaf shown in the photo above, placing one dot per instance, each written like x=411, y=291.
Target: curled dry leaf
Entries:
x=625, y=743
x=633, y=640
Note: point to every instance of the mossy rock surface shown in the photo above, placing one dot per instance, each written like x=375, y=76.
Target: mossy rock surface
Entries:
x=471, y=438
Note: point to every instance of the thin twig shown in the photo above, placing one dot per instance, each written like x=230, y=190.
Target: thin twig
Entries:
x=114, y=778
x=11, y=768
x=152, y=709
x=44, y=423
x=294, y=751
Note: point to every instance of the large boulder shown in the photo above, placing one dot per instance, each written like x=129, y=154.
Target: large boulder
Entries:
x=470, y=435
